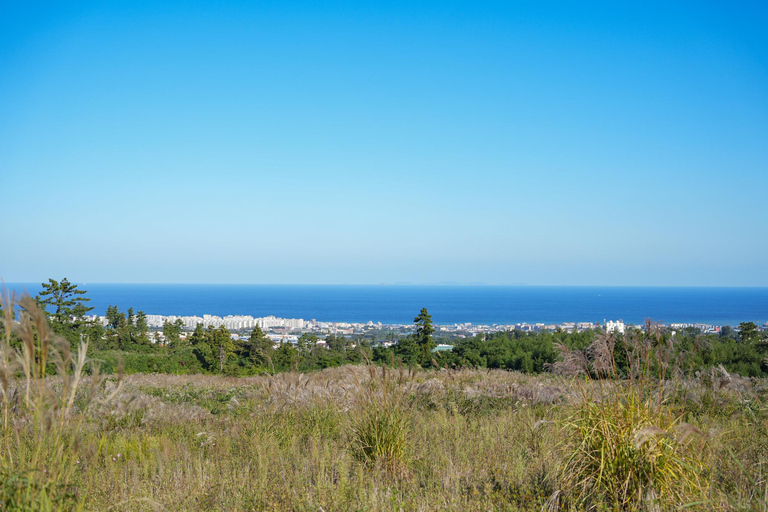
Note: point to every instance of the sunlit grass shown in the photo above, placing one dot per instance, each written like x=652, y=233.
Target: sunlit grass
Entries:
x=42, y=415
x=368, y=438
x=381, y=422
x=630, y=454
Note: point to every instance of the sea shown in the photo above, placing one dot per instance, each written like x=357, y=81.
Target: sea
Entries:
x=479, y=305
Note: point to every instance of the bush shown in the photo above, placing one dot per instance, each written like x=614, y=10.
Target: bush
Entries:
x=178, y=362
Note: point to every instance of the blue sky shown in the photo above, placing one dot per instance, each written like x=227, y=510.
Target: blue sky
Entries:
x=551, y=143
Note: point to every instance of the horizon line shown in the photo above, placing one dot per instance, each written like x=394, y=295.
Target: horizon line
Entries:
x=397, y=284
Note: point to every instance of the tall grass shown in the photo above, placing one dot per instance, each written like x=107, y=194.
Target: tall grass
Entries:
x=626, y=445
x=381, y=422
x=40, y=417
x=475, y=440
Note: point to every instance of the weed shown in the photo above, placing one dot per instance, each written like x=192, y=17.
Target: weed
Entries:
x=26, y=492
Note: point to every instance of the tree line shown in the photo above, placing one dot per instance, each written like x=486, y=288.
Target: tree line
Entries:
x=743, y=351
x=126, y=339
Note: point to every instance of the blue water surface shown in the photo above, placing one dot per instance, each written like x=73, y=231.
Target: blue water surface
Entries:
x=447, y=304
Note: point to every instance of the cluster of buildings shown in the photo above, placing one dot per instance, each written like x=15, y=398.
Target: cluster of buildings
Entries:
x=704, y=328
x=293, y=325
x=290, y=328
x=246, y=323
x=471, y=329
x=233, y=322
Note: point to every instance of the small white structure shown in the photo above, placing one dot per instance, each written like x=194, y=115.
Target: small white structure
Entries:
x=617, y=326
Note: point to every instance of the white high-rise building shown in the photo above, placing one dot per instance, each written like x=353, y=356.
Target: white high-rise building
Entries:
x=617, y=326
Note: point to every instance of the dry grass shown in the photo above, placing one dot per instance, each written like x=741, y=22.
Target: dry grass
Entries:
x=473, y=441
x=41, y=415
x=294, y=442
x=626, y=444
x=458, y=440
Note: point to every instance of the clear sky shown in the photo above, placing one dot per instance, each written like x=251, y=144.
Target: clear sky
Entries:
x=567, y=143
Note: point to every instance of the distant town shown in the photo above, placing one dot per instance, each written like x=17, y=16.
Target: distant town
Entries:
x=288, y=330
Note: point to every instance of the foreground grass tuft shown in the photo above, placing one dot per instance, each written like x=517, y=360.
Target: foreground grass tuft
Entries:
x=381, y=422
x=627, y=453
x=626, y=446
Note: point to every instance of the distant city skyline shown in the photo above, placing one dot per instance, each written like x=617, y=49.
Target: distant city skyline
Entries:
x=447, y=304
x=495, y=143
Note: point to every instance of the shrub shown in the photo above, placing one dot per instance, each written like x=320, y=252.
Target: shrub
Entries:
x=180, y=361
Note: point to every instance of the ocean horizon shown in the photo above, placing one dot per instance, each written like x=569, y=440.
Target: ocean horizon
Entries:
x=448, y=304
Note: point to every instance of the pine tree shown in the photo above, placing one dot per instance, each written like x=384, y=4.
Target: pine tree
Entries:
x=67, y=300
x=748, y=332
x=306, y=343
x=172, y=332
x=223, y=346
x=113, y=317
x=259, y=348
x=142, y=328
x=424, y=339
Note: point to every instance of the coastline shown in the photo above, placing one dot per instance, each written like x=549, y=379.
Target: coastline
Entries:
x=449, y=305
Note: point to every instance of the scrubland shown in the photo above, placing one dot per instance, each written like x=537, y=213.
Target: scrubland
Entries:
x=367, y=437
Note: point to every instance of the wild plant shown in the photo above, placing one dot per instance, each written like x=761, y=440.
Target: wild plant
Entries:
x=381, y=421
x=626, y=446
x=40, y=422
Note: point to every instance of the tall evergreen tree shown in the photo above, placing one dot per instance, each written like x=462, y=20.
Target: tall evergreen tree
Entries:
x=259, y=348
x=748, y=332
x=142, y=328
x=113, y=317
x=68, y=302
x=223, y=347
x=172, y=332
x=424, y=331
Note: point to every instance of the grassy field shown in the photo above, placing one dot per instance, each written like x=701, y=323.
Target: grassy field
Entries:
x=373, y=438
x=355, y=438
